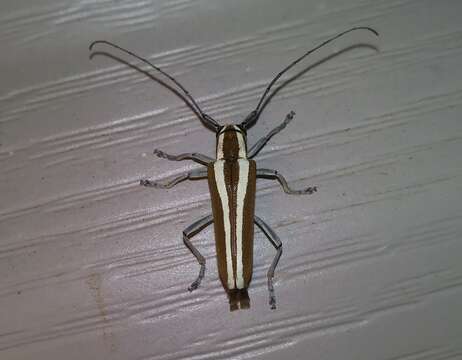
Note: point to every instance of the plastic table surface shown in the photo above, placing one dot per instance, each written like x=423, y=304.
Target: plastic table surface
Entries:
x=93, y=265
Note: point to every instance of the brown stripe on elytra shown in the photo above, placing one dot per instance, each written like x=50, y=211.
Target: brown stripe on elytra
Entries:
x=219, y=226
x=230, y=145
x=248, y=224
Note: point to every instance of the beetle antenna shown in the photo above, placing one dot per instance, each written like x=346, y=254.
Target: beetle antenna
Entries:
x=209, y=121
x=253, y=116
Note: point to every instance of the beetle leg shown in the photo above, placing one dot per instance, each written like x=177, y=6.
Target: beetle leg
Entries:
x=274, y=175
x=188, y=233
x=192, y=175
x=277, y=243
x=199, y=158
x=254, y=150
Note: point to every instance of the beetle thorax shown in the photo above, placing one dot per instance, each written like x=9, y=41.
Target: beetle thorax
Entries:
x=231, y=143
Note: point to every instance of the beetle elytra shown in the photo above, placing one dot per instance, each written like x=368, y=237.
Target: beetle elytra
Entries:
x=232, y=177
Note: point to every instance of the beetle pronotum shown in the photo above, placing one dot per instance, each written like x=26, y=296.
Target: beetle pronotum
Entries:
x=232, y=177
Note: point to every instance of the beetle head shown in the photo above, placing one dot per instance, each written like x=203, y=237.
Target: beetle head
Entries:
x=231, y=143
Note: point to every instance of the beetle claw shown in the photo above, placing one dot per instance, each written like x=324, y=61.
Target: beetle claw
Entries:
x=193, y=286
x=161, y=154
x=310, y=190
x=272, y=303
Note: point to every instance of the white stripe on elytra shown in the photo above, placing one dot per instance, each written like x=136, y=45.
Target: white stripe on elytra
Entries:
x=220, y=152
x=241, y=192
x=219, y=170
x=241, y=142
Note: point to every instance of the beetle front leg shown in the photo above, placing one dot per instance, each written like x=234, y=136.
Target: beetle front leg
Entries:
x=274, y=175
x=199, y=158
x=188, y=233
x=260, y=144
x=192, y=175
x=277, y=243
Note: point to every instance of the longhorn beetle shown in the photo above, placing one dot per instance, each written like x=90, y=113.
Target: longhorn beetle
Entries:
x=232, y=177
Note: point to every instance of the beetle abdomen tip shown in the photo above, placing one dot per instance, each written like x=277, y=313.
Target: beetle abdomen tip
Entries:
x=238, y=299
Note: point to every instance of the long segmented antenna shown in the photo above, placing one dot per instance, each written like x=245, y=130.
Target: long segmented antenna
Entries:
x=253, y=116
x=209, y=121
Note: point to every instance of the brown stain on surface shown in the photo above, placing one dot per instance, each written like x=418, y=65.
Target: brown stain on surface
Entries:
x=94, y=282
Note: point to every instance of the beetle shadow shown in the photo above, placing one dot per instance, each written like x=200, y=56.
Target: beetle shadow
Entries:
x=265, y=103
x=310, y=67
x=150, y=75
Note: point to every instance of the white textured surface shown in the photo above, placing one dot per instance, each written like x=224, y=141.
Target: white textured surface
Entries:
x=92, y=265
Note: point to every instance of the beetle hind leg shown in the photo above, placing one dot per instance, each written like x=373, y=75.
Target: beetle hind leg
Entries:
x=188, y=233
x=277, y=243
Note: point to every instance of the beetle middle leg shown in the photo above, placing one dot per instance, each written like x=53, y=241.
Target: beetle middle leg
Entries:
x=277, y=243
x=260, y=144
x=274, y=175
x=192, y=175
x=199, y=158
x=188, y=233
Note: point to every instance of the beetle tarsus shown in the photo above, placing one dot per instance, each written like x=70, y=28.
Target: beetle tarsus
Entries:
x=144, y=182
x=310, y=190
x=289, y=117
x=194, y=286
x=272, y=297
x=272, y=303
x=154, y=184
x=160, y=154
x=198, y=281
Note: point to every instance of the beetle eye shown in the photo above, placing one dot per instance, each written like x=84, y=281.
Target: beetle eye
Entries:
x=241, y=128
x=220, y=130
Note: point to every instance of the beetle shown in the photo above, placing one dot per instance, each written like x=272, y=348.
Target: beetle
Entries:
x=232, y=177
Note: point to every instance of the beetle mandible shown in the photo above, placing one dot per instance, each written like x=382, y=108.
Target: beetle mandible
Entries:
x=232, y=177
